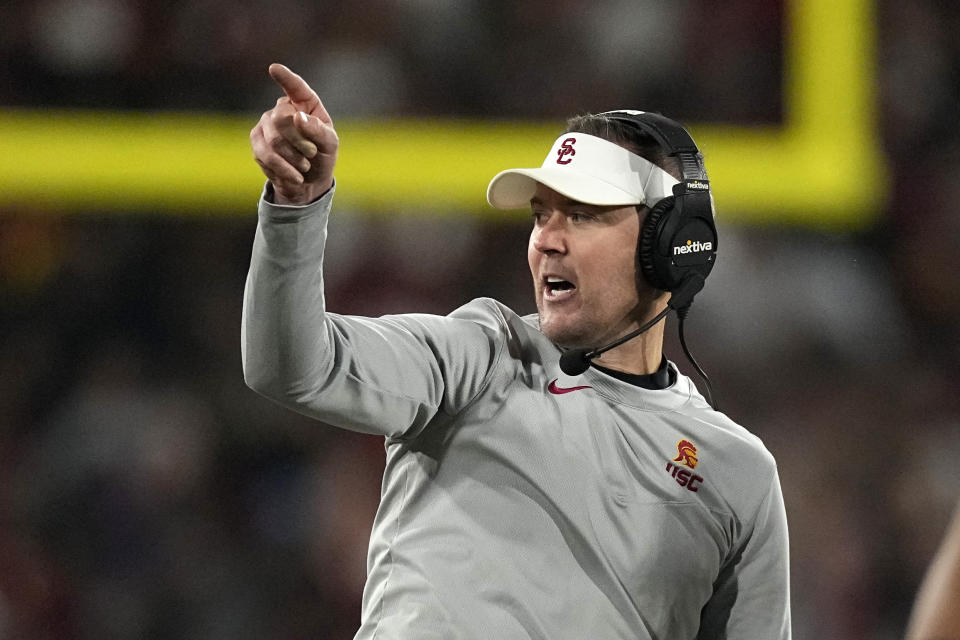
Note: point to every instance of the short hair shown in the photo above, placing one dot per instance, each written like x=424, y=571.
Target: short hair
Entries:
x=630, y=137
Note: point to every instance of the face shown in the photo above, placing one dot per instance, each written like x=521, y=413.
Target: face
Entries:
x=583, y=261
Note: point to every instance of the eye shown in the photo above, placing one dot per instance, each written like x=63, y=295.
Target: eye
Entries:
x=579, y=217
x=538, y=216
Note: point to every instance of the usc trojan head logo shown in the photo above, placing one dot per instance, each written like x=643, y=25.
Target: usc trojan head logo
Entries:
x=686, y=454
x=565, y=151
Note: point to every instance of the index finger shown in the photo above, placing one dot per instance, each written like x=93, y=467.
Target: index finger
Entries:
x=297, y=89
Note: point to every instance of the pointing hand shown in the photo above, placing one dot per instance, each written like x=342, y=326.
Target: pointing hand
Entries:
x=295, y=143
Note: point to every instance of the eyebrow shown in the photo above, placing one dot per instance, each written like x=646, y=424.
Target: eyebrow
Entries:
x=570, y=202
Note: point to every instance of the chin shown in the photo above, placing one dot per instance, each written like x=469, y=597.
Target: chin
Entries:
x=568, y=335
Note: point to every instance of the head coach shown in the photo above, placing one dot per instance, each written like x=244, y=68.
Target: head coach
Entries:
x=549, y=476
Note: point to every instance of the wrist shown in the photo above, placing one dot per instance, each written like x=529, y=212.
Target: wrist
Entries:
x=302, y=195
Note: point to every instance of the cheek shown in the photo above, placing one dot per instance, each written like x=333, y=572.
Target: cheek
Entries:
x=622, y=272
x=532, y=256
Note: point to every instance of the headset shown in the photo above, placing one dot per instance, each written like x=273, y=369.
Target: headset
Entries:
x=678, y=239
x=677, y=247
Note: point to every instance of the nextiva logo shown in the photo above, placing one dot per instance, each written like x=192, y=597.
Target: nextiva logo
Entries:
x=698, y=185
x=687, y=456
x=693, y=247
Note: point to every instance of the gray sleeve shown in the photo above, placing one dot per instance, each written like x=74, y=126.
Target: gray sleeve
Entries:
x=388, y=375
x=751, y=597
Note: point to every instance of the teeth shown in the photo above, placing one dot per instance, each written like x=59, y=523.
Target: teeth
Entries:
x=554, y=279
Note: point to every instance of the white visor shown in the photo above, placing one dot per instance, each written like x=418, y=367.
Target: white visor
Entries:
x=587, y=169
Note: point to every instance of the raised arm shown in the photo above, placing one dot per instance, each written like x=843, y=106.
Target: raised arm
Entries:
x=389, y=376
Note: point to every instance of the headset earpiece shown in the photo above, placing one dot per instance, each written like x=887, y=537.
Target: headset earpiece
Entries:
x=647, y=250
x=678, y=239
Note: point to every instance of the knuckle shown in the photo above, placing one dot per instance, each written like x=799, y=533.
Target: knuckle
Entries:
x=267, y=160
x=280, y=115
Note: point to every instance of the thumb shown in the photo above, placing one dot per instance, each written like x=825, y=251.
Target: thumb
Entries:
x=318, y=131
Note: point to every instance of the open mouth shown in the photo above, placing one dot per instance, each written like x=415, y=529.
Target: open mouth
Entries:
x=555, y=288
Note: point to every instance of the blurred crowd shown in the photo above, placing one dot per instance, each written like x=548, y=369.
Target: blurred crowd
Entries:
x=146, y=493
x=400, y=57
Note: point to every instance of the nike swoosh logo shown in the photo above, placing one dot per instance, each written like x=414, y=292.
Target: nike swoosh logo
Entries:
x=554, y=388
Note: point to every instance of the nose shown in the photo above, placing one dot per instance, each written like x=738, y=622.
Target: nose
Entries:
x=549, y=234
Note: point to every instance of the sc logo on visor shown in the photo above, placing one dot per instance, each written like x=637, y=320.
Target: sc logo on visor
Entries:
x=566, y=151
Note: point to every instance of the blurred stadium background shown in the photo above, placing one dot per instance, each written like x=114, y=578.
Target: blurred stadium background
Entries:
x=146, y=493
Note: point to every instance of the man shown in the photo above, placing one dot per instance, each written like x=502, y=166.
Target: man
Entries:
x=520, y=501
